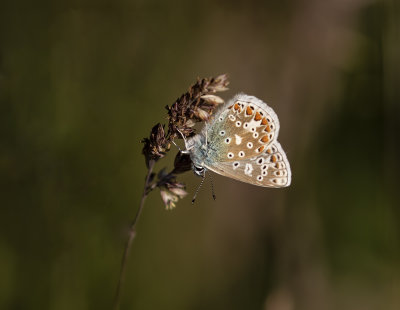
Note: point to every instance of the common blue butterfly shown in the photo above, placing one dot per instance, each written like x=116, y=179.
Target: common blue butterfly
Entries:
x=240, y=142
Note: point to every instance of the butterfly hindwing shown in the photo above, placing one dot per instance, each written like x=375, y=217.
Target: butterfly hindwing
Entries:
x=271, y=169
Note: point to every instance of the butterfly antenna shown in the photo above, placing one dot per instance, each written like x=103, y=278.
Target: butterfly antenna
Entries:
x=198, y=188
x=212, y=187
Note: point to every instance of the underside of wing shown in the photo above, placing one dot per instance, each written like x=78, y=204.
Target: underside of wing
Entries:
x=271, y=169
x=242, y=128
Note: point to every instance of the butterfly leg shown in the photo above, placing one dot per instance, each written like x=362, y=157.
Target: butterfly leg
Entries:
x=212, y=187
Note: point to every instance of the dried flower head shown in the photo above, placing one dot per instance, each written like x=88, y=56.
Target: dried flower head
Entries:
x=196, y=105
x=156, y=146
x=171, y=190
x=169, y=199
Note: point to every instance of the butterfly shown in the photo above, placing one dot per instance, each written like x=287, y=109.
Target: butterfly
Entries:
x=240, y=142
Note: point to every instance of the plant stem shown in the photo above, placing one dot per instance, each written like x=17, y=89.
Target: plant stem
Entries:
x=131, y=237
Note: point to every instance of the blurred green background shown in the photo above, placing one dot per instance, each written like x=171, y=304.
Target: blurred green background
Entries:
x=81, y=83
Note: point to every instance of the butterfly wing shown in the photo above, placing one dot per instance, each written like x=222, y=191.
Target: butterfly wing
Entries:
x=242, y=143
x=270, y=169
x=243, y=128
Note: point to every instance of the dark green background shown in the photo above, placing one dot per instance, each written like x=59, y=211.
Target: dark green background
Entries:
x=81, y=83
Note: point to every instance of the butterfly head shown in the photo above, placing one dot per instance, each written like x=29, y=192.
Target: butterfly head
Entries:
x=198, y=170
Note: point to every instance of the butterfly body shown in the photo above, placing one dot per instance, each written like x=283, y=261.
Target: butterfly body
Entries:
x=240, y=142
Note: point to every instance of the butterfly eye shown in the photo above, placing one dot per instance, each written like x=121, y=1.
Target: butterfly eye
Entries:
x=198, y=170
x=230, y=155
x=222, y=133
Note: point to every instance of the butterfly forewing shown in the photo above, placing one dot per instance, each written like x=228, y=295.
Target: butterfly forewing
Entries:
x=244, y=128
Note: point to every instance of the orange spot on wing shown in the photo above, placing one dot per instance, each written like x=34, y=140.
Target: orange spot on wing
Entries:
x=230, y=107
x=269, y=151
x=264, y=121
x=273, y=157
x=261, y=148
x=249, y=111
x=258, y=116
x=277, y=165
x=265, y=139
x=267, y=129
x=236, y=106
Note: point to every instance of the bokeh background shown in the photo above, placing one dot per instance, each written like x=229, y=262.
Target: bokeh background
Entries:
x=82, y=82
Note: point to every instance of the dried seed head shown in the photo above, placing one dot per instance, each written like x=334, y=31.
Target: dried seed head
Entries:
x=171, y=191
x=180, y=192
x=201, y=114
x=219, y=83
x=156, y=145
x=196, y=105
x=169, y=199
x=212, y=99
